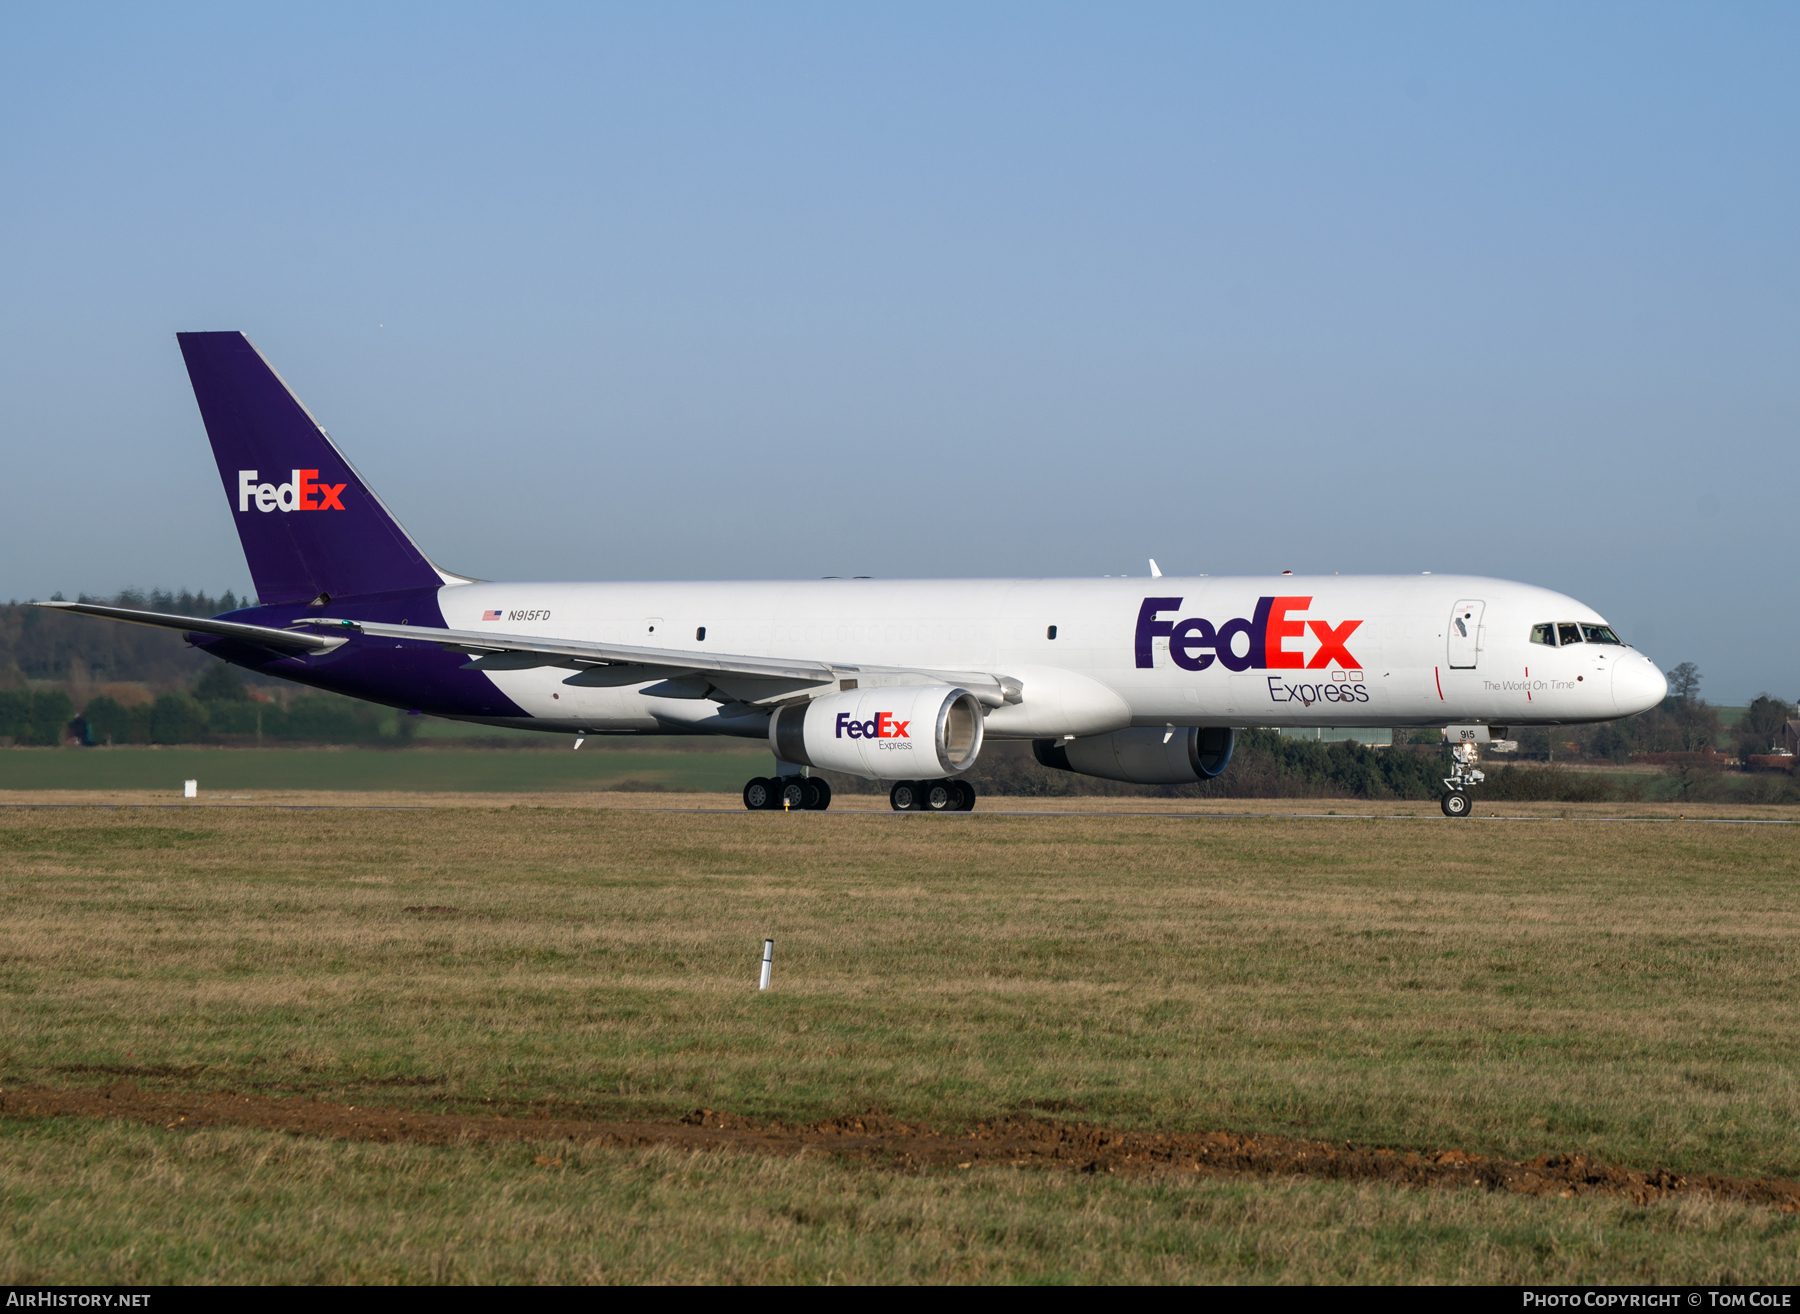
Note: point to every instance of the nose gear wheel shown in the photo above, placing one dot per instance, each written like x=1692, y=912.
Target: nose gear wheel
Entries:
x=1463, y=773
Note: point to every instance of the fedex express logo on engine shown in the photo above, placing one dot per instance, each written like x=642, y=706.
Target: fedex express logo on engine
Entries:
x=303, y=493
x=1195, y=644
x=884, y=726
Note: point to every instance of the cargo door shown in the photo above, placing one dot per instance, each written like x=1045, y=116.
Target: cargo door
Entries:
x=1465, y=634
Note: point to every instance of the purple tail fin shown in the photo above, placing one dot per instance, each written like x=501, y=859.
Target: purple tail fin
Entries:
x=308, y=523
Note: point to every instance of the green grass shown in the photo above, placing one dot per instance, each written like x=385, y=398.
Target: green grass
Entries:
x=1630, y=991
x=599, y=764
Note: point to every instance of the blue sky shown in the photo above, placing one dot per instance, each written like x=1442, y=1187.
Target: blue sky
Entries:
x=786, y=291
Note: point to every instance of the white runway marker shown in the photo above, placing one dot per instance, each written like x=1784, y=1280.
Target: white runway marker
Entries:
x=768, y=963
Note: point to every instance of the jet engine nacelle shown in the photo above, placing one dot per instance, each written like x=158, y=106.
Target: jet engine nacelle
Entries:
x=1141, y=756
x=909, y=732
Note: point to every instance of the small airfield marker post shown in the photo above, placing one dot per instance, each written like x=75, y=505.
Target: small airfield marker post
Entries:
x=768, y=963
x=190, y=789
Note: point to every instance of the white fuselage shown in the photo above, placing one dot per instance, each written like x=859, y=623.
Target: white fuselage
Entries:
x=1423, y=650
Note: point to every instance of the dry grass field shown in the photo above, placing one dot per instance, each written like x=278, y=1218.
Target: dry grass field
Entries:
x=1553, y=983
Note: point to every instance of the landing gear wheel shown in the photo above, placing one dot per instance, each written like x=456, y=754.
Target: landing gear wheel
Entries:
x=941, y=796
x=758, y=793
x=818, y=795
x=1463, y=773
x=965, y=796
x=790, y=794
x=905, y=796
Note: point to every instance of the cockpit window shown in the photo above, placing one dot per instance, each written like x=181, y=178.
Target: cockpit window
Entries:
x=1545, y=633
x=1568, y=633
x=1599, y=634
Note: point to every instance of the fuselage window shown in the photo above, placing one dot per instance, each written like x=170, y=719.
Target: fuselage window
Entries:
x=1050, y=633
x=1599, y=634
x=700, y=635
x=1568, y=633
x=1545, y=633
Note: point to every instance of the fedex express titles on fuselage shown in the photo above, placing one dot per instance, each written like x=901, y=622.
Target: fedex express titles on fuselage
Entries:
x=894, y=679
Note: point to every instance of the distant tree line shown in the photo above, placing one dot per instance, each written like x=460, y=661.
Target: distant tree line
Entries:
x=38, y=644
x=47, y=717
x=70, y=677
x=221, y=709
x=1684, y=723
x=35, y=718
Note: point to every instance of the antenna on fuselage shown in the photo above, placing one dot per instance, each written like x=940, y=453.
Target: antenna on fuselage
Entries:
x=1155, y=570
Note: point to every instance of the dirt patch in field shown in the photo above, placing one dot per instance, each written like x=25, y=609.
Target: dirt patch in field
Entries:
x=1018, y=1141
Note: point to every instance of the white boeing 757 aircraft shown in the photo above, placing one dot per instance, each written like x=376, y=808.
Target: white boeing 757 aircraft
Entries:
x=894, y=680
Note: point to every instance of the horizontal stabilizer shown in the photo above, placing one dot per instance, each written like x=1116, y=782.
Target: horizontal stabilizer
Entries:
x=263, y=635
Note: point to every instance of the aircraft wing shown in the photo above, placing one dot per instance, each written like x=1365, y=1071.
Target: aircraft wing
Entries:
x=685, y=673
x=290, y=641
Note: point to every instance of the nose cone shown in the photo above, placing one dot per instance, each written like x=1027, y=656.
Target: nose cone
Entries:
x=1637, y=684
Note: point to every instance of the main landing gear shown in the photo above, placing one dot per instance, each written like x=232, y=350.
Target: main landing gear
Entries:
x=787, y=794
x=1463, y=773
x=810, y=794
x=932, y=796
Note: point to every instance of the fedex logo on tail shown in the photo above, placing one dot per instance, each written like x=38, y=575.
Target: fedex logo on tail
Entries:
x=304, y=493
x=1194, y=644
x=884, y=726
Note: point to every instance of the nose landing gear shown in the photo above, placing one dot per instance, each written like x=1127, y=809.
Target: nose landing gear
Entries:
x=1463, y=773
